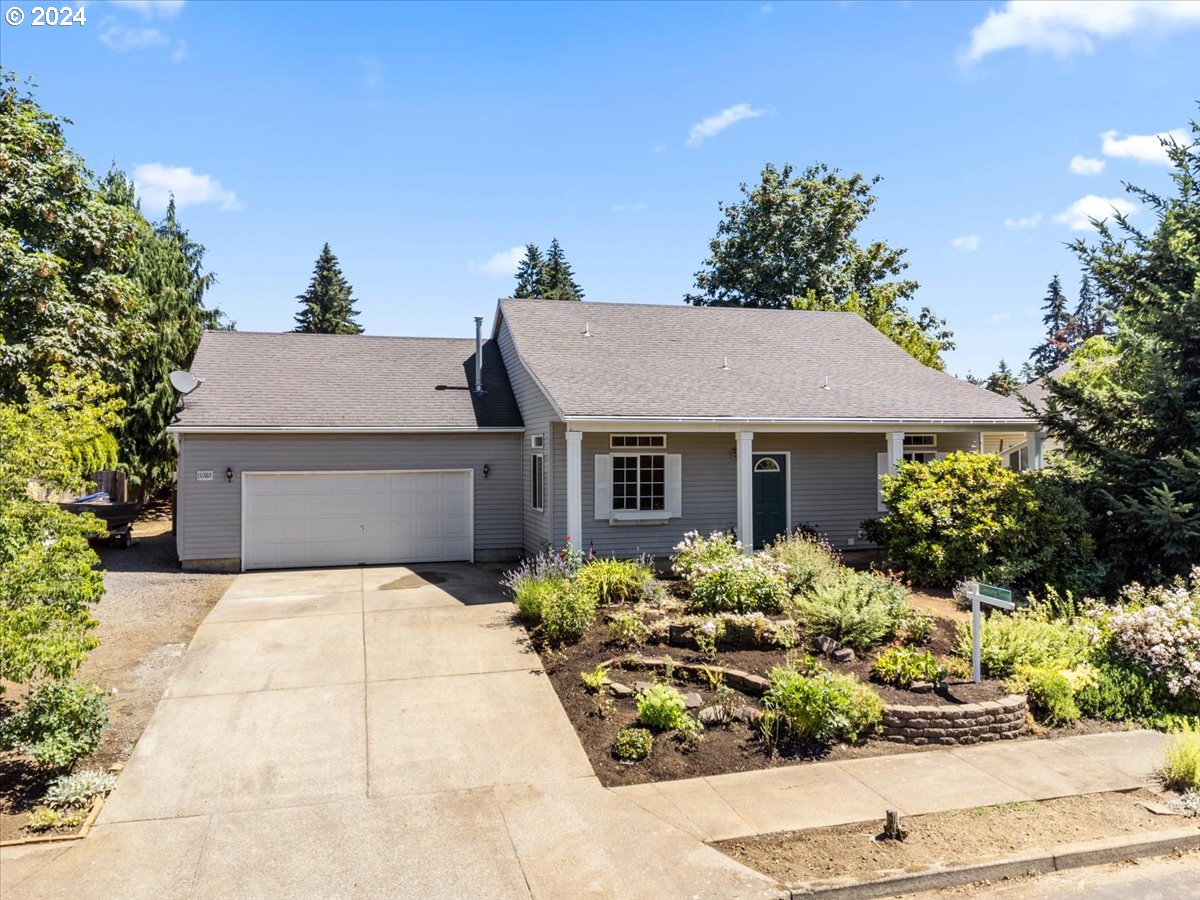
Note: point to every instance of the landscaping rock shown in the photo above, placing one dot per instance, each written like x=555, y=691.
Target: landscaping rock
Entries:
x=620, y=690
x=693, y=700
x=642, y=686
x=843, y=655
x=747, y=714
x=922, y=687
x=711, y=716
x=827, y=645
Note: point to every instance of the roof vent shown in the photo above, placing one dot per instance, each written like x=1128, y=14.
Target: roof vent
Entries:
x=724, y=362
x=587, y=332
x=825, y=386
x=479, y=354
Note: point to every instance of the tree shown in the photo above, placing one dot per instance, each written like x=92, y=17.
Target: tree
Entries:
x=1002, y=381
x=530, y=273
x=65, y=299
x=558, y=281
x=327, y=307
x=1131, y=417
x=1055, y=349
x=790, y=244
x=1088, y=315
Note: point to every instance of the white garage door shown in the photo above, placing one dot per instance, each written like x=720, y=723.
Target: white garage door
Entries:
x=352, y=518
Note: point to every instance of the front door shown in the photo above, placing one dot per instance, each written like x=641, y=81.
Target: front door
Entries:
x=770, y=497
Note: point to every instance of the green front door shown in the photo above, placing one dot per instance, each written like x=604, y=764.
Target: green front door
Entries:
x=770, y=497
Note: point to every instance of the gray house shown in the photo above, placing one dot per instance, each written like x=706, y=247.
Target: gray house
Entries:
x=618, y=426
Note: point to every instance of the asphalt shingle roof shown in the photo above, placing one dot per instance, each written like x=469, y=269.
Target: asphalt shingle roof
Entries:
x=273, y=380
x=666, y=362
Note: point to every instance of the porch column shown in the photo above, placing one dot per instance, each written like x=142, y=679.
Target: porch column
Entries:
x=895, y=449
x=575, y=488
x=1037, y=450
x=745, y=490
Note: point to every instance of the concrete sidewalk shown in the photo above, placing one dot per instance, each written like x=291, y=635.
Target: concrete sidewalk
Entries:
x=791, y=798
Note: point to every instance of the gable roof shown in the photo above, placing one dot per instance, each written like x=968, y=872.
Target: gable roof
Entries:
x=269, y=381
x=1035, y=392
x=665, y=363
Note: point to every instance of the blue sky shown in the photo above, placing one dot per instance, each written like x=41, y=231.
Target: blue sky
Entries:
x=424, y=142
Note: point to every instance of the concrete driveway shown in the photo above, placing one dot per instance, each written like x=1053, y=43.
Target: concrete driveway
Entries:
x=368, y=733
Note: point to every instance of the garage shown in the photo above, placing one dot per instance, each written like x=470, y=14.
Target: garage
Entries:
x=305, y=519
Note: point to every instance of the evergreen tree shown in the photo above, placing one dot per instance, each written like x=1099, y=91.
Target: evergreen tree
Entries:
x=530, y=273
x=1055, y=349
x=1002, y=381
x=327, y=307
x=558, y=281
x=1087, y=312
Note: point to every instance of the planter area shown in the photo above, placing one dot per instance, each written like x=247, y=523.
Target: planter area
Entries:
x=969, y=723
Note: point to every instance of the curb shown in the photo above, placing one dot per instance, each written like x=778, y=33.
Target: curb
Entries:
x=1038, y=862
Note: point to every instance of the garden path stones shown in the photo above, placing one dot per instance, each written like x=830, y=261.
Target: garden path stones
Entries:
x=922, y=687
x=693, y=700
x=620, y=690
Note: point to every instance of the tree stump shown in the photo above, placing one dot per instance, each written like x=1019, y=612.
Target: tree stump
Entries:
x=892, y=829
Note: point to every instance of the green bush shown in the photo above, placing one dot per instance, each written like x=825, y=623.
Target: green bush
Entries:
x=741, y=584
x=633, y=744
x=857, y=609
x=60, y=722
x=78, y=788
x=1022, y=640
x=918, y=626
x=43, y=819
x=595, y=679
x=567, y=614
x=628, y=629
x=903, y=667
x=661, y=707
x=966, y=516
x=1051, y=697
x=1180, y=770
x=696, y=553
x=1122, y=691
x=531, y=595
x=611, y=581
x=820, y=706
x=806, y=561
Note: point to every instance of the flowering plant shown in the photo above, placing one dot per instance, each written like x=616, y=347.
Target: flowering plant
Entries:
x=740, y=584
x=696, y=552
x=1160, y=629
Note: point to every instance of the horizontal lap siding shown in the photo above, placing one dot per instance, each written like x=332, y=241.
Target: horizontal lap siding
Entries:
x=209, y=514
x=950, y=441
x=537, y=413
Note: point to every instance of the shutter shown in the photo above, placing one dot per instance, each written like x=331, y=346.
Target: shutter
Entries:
x=674, y=485
x=883, y=466
x=603, y=493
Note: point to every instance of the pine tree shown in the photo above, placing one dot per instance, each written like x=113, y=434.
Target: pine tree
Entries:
x=1002, y=381
x=558, y=281
x=530, y=273
x=1054, y=350
x=327, y=307
x=1087, y=313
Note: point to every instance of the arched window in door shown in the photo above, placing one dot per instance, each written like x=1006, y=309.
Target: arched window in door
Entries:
x=766, y=465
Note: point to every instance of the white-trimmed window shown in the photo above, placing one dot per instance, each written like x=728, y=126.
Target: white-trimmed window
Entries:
x=537, y=480
x=637, y=441
x=537, y=441
x=639, y=482
x=1018, y=460
x=920, y=448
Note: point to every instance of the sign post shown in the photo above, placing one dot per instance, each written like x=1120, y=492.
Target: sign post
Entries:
x=979, y=593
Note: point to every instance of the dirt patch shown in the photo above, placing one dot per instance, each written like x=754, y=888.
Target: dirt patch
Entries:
x=147, y=617
x=960, y=837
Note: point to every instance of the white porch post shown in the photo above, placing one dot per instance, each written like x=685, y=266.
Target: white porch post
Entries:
x=895, y=444
x=1037, y=450
x=575, y=488
x=745, y=490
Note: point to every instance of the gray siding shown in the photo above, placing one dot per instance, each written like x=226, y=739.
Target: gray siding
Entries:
x=209, y=514
x=538, y=414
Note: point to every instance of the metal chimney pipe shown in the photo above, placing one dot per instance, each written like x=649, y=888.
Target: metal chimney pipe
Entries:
x=479, y=354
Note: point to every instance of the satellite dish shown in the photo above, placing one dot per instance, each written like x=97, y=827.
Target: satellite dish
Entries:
x=184, y=382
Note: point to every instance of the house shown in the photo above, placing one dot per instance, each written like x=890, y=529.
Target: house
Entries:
x=1015, y=448
x=620, y=426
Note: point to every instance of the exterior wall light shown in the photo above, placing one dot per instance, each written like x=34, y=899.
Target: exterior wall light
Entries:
x=486, y=470
x=229, y=474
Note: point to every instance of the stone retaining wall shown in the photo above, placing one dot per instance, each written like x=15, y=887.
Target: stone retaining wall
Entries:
x=970, y=723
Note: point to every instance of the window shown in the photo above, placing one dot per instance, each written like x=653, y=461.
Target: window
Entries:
x=632, y=441
x=766, y=465
x=920, y=448
x=537, y=441
x=537, y=480
x=1018, y=460
x=639, y=481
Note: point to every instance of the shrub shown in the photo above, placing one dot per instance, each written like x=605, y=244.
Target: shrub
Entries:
x=1187, y=804
x=594, y=680
x=633, y=744
x=567, y=614
x=740, y=584
x=695, y=553
x=1180, y=770
x=612, y=581
x=43, y=819
x=1159, y=628
x=806, y=561
x=857, y=609
x=1051, y=696
x=1020, y=640
x=918, y=626
x=531, y=595
x=966, y=516
x=689, y=733
x=661, y=707
x=60, y=722
x=903, y=666
x=78, y=789
x=628, y=629
x=823, y=706
x=1122, y=691
x=545, y=566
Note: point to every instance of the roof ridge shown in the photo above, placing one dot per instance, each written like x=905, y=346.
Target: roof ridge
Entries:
x=679, y=306
x=379, y=337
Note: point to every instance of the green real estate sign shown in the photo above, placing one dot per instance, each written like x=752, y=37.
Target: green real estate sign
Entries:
x=995, y=593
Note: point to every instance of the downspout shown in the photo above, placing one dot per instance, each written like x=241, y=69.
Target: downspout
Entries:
x=479, y=354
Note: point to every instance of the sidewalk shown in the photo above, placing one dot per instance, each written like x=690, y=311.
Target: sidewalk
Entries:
x=819, y=795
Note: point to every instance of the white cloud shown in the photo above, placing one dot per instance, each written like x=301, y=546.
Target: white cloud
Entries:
x=1063, y=27
x=1079, y=214
x=1024, y=221
x=968, y=243
x=156, y=184
x=1086, y=165
x=1146, y=148
x=629, y=207
x=152, y=9
x=500, y=265
x=1001, y=317
x=714, y=125
x=121, y=38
